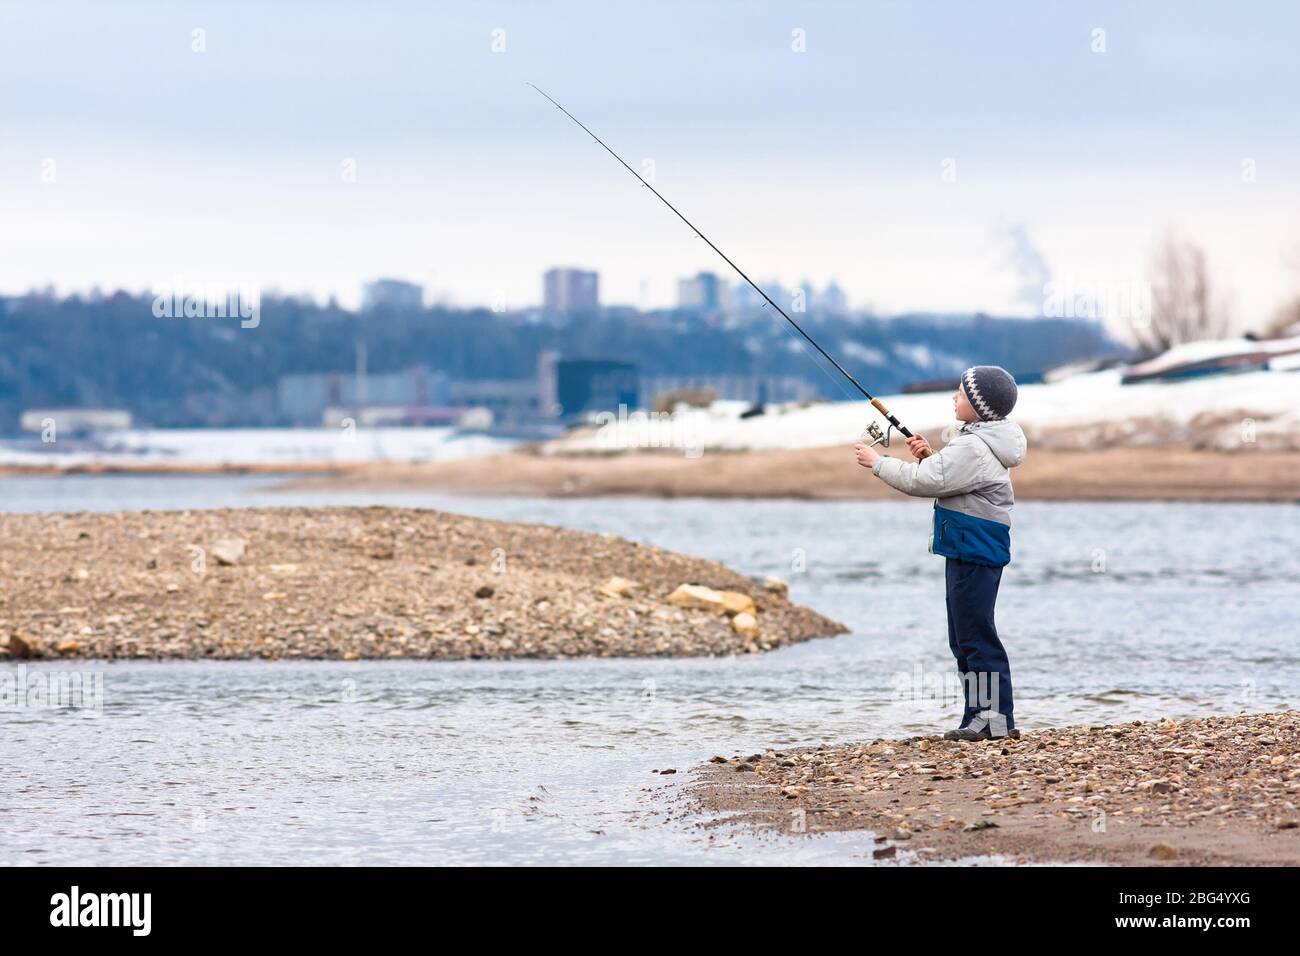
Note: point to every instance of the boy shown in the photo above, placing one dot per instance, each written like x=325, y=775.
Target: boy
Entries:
x=971, y=482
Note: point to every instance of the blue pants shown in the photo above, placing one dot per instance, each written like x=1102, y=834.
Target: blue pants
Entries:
x=981, y=659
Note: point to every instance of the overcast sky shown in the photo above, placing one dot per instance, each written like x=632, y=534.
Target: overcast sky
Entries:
x=127, y=159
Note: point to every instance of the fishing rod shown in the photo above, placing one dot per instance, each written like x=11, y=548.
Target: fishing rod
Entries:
x=873, y=429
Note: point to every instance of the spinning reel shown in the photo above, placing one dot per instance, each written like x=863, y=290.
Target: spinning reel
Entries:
x=877, y=436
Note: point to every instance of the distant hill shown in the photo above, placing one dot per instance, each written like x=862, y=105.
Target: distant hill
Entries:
x=113, y=351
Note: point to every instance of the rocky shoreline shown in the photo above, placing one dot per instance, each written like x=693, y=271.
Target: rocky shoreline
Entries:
x=1203, y=791
x=355, y=583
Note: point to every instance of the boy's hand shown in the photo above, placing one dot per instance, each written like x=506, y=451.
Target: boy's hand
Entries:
x=867, y=456
x=918, y=445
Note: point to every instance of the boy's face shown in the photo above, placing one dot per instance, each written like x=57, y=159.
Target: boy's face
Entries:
x=962, y=407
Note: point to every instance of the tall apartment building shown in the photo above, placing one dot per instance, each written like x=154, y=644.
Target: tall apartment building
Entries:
x=570, y=292
x=699, y=294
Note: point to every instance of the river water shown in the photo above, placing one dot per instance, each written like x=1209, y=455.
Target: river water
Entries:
x=1110, y=612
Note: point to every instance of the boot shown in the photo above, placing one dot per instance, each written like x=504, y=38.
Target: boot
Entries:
x=985, y=726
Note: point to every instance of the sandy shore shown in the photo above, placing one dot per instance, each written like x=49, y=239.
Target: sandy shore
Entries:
x=1166, y=474
x=1214, y=790
x=364, y=583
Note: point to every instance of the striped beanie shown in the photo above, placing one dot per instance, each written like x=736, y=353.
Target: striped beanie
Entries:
x=990, y=390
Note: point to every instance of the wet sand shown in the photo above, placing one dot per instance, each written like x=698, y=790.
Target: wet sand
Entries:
x=1204, y=791
x=356, y=583
x=1113, y=474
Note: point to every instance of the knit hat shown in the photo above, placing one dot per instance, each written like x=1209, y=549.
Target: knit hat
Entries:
x=990, y=390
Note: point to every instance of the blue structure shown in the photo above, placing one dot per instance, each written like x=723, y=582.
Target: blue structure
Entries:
x=595, y=385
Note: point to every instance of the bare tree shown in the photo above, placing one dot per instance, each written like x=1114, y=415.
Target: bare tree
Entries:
x=1184, y=305
x=1285, y=321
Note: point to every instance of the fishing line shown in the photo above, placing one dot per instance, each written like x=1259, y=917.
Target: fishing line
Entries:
x=879, y=406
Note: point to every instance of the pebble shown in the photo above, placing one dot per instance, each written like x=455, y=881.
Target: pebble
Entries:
x=24, y=647
x=228, y=551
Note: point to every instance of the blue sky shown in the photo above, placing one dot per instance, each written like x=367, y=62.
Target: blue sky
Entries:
x=128, y=159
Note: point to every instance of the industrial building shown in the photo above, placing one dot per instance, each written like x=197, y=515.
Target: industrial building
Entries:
x=595, y=385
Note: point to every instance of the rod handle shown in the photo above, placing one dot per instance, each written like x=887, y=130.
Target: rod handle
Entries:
x=889, y=416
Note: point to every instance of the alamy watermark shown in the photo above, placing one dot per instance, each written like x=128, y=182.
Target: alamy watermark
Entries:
x=1092, y=297
x=215, y=300
x=943, y=690
x=627, y=430
x=24, y=688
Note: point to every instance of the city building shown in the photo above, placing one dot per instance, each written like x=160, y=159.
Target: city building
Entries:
x=548, y=399
x=699, y=294
x=415, y=396
x=393, y=294
x=753, y=389
x=570, y=292
x=595, y=385
x=511, y=401
x=303, y=399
